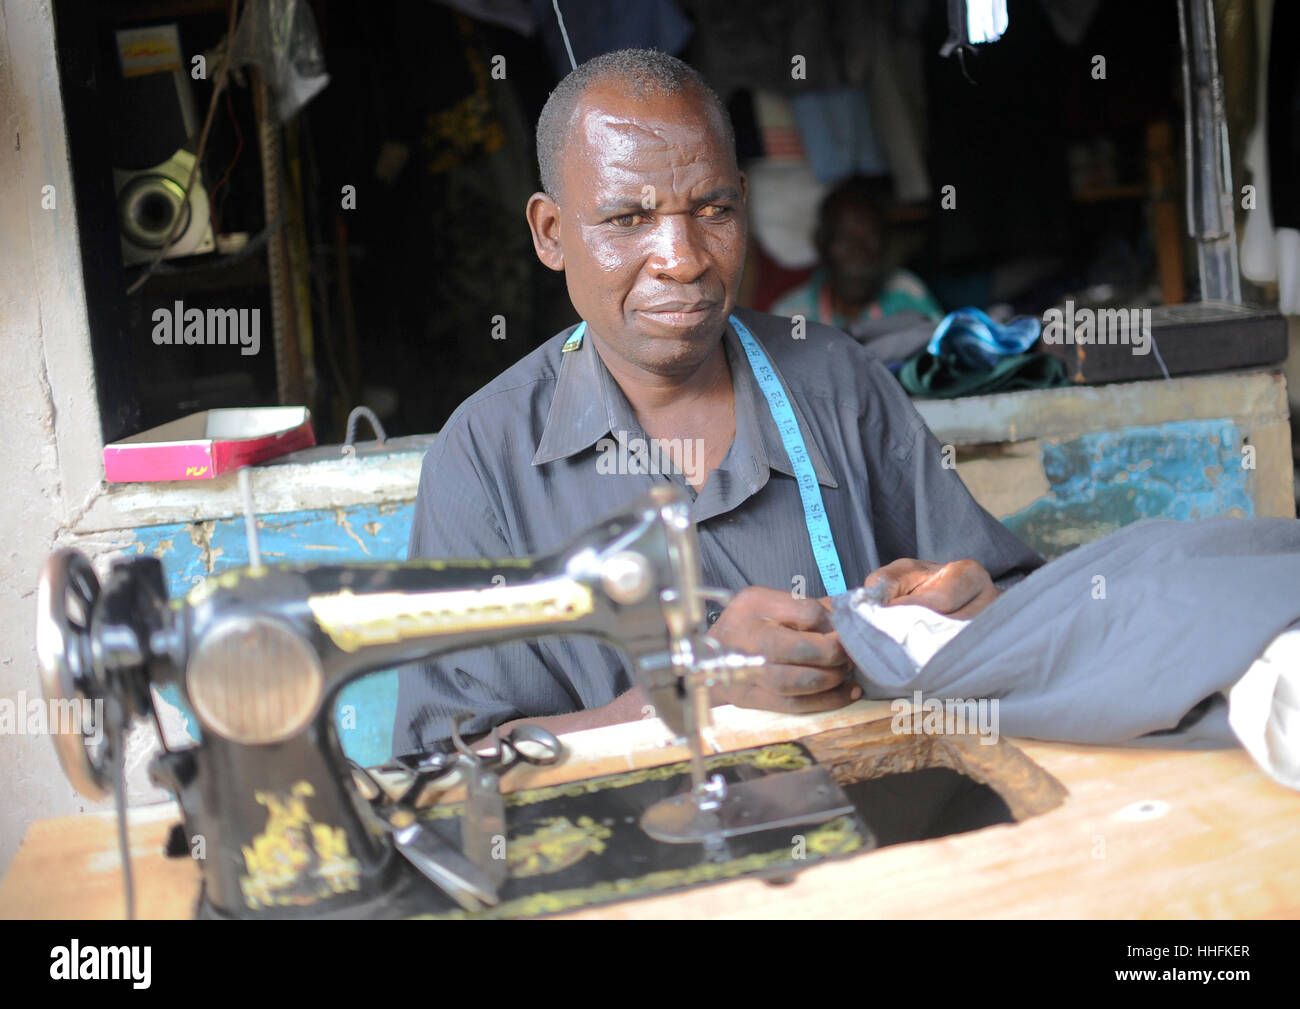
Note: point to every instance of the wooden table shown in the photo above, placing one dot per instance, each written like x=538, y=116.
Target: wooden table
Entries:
x=1136, y=833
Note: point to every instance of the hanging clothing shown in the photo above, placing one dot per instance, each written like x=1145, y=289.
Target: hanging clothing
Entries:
x=1070, y=19
x=899, y=121
x=754, y=45
x=601, y=26
x=818, y=47
x=837, y=134
x=512, y=14
x=1270, y=242
x=1284, y=116
x=783, y=202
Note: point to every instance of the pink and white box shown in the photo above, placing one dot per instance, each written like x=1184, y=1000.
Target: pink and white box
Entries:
x=210, y=444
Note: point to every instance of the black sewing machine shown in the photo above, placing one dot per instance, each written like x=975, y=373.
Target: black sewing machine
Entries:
x=260, y=655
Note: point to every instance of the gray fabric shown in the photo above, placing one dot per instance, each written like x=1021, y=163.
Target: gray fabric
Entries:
x=514, y=472
x=894, y=337
x=1188, y=607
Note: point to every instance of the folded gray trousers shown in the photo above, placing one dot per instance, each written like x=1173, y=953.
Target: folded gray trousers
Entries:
x=1133, y=638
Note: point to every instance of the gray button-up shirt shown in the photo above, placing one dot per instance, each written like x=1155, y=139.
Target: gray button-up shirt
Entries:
x=524, y=464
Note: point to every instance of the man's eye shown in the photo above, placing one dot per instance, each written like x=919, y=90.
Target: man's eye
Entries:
x=624, y=220
x=715, y=210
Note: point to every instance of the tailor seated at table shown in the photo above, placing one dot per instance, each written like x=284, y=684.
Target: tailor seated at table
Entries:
x=643, y=209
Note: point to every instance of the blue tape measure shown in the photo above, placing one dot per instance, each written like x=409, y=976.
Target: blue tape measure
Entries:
x=814, y=511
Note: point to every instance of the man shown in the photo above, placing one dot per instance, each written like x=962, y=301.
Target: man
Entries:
x=852, y=289
x=643, y=208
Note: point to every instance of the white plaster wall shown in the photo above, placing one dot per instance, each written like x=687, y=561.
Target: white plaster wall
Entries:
x=49, y=422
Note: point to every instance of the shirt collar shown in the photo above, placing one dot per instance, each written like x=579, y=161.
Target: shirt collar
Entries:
x=582, y=407
x=588, y=405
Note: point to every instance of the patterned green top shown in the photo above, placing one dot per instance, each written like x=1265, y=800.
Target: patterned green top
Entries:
x=902, y=291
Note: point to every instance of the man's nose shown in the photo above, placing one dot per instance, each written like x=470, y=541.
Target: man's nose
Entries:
x=675, y=251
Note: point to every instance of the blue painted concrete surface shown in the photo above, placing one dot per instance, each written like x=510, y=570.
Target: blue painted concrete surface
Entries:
x=365, y=709
x=1108, y=479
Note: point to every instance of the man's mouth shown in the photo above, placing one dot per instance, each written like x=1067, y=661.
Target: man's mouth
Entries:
x=679, y=314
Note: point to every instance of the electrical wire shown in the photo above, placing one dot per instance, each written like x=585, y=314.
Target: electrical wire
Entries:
x=123, y=841
x=239, y=149
x=564, y=34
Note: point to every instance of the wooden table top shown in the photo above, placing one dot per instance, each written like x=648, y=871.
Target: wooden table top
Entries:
x=1142, y=834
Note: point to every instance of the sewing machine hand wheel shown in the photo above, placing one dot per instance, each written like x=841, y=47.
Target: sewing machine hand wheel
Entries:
x=66, y=600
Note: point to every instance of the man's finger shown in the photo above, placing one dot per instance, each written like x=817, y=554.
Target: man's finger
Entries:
x=900, y=577
x=949, y=588
x=798, y=681
x=782, y=608
x=784, y=646
x=827, y=700
x=977, y=605
x=946, y=597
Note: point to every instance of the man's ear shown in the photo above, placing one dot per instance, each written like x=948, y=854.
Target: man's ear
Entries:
x=544, y=222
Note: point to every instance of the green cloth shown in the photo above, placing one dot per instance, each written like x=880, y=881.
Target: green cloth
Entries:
x=941, y=376
x=901, y=292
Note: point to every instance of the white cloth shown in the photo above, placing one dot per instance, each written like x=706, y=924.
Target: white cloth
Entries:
x=1288, y=270
x=1258, y=248
x=920, y=631
x=986, y=20
x=1264, y=708
x=1268, y=254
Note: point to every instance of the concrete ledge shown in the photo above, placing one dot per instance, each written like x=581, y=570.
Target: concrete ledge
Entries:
x=1249, y=397
x=318, y=478
x=325, y=478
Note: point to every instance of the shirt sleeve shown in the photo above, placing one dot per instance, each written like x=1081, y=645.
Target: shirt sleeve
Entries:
x=924, y=510
x=952, y=525
x=454, y=518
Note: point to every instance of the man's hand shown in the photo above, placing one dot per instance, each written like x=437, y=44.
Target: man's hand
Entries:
x=807, y=667
x=960, y=589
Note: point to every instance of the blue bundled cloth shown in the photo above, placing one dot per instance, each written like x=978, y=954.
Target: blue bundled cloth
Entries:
x=977, y=342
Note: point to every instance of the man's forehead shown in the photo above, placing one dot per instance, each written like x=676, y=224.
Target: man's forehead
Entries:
x=616, y=133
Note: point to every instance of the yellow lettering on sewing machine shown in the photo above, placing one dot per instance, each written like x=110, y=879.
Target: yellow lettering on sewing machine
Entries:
x=195, y=470
x=353, y=621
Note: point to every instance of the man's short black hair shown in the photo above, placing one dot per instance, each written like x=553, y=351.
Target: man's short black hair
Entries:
x=638, y=72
